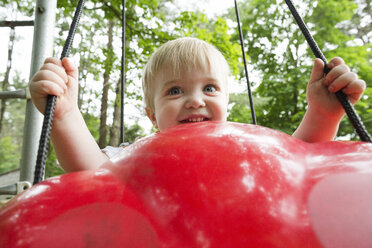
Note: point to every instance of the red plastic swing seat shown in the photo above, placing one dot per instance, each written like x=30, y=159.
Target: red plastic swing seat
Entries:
x=204, y=185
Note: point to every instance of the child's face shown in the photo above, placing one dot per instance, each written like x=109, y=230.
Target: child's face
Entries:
x=190, y=97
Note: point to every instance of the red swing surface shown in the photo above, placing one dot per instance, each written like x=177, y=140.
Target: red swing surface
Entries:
x=204, y=185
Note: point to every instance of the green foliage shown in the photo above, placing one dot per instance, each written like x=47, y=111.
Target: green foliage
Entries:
x=133, y=132
x=282, y=71
x=26, y=7
x=9, y=157
x=92, y=124
x=52, y=168
x=325, y=21
x=240, y=111
x=275, y=47
x=215, y=32
x=12, y=133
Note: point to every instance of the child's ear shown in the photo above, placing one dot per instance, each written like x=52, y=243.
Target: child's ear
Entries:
x=151, y=115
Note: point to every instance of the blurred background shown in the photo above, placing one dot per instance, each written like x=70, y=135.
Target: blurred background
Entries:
x=278, y=56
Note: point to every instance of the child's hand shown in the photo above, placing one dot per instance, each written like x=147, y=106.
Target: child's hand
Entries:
x=59, y=78
x=320, y=89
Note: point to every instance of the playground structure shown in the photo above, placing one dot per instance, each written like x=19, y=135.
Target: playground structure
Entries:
x=42, y=48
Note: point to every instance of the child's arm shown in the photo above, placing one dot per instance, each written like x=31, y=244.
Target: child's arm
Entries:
x=75, y=147
x=324, y=113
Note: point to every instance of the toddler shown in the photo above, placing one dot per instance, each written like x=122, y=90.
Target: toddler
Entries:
x=184, y=81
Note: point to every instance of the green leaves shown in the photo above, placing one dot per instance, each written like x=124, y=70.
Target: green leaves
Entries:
x=213, y=31
x=278, y=53
x=9, y=158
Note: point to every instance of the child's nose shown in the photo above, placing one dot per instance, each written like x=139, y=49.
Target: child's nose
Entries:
x=195, y=101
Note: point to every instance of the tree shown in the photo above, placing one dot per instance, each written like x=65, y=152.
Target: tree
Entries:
x=116, y=120
x=8, y=154
x=360, y=25
x=12, y=110
x=268, y=27
x=5, y=83
x=106, y=85
x=215, y=32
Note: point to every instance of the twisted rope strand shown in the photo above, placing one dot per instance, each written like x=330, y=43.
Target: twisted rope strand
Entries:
x=51, y=103
x=122, y=82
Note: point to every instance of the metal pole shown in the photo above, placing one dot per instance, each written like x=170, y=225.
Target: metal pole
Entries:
x=12, y=24
x=20, y=94
x=45, y=15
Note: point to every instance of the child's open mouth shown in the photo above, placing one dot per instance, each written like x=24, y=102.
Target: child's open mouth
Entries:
x=197, y=119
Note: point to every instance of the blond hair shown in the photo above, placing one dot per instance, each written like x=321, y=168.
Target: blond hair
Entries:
x=182, y=54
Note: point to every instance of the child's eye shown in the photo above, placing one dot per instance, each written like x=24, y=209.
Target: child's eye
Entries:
x=174, y=91
x=210, y=88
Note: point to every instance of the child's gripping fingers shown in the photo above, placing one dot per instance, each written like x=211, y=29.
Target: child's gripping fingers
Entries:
x=44, y=88
x=317, y=72
x=343, y=80
x=52, y=75
x=40, y=89
x=53, y=61
x=64, y=67
x=355, y=89
x=70, y=68
x=335, y=62
x=57, y=68
x=318, y=68
x=336, y=72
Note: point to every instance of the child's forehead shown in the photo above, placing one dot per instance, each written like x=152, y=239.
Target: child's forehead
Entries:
x=179, y=72
x=167, y=75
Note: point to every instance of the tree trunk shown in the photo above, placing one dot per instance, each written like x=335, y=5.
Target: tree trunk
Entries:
x=6, y=76
x=106, y=86
x=116, y=122
x=115, y=129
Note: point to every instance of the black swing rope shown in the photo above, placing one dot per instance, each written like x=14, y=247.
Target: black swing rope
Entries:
x=254, y=120
x=122, y=82
x=345, y=102
x=51, y=103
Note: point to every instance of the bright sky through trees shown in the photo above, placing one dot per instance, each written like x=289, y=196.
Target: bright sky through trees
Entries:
x=23, y=46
